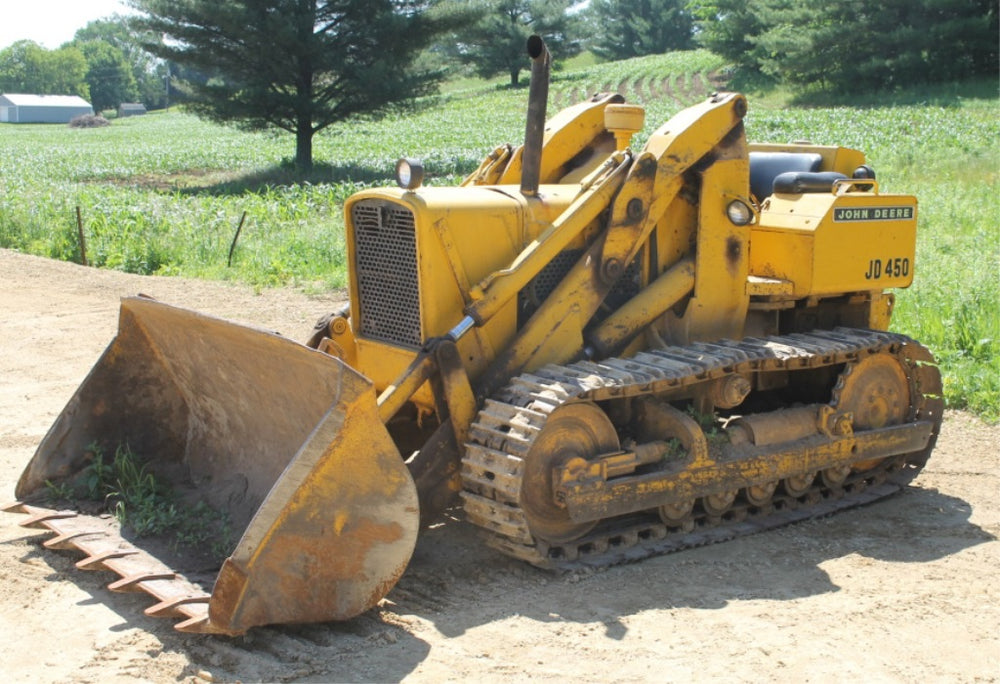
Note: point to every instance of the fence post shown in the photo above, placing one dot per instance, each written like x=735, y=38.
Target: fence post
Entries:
x=83, y=241
x=236, y=237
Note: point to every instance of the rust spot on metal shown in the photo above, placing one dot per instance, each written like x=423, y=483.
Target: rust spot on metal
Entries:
x=740, y=107
x=645, y=166
x=734, y=252
x=634, y=209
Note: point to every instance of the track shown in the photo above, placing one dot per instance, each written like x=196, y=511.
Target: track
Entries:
x=493, y=466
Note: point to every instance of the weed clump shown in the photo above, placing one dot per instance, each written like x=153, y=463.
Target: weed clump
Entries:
x=146, y=506
x=88, y=121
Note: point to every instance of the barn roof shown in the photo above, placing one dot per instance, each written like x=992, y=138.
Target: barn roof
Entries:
x=23, y=100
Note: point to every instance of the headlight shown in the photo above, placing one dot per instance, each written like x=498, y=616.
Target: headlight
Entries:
x=409, y=173
x=739, y=212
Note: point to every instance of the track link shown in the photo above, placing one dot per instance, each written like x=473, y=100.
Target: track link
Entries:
x=507, y=426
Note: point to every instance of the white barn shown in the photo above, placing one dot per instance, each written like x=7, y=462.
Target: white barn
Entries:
x=15, y=108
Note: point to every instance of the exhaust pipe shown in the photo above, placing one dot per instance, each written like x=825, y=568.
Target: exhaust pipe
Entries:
x=538, y=95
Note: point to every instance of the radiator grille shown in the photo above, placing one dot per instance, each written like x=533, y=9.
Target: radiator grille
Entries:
x=386, y=266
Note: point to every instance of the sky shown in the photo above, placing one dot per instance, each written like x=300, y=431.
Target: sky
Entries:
x=50, y=23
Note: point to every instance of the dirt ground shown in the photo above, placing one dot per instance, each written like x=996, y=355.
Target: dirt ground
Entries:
x=902, y=590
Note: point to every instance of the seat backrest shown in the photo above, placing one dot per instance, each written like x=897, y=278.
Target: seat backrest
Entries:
x=765, y=166
x=798, y=182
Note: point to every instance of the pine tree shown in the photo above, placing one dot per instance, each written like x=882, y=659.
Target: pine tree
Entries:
x=495, y=43
x=727, y=28
x=632, y=28
x=296, y=65
x=854, y=45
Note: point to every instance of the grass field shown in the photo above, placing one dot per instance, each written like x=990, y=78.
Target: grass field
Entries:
x=165, y=193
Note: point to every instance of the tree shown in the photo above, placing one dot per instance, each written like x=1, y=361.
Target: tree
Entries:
x=109, y=75
x=495, y=43
x=27, y=67
x=148, y=73
x=727, y=27
x=14, y=66
x=297, y=65
x=854, y=45
x=632, y=28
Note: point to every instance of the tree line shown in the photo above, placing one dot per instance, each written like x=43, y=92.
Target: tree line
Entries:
x=853, y=45
x=105, y=63
x=301, y=65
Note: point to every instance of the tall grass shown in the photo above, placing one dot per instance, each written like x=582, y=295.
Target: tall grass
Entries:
x=164, y=193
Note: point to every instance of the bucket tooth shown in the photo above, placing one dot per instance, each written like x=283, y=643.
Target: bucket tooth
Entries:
x=66, y=541
x=38, y=517
x=97, y=562
x=172, y=608
x=193, y=625
x=133, y=583
x=201, y=625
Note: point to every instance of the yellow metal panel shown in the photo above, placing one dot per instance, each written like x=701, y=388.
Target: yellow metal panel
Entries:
x=720, y=301
x=783, y=256
x=866, y=242
x=674, y=233
x=829, y=244
x=476, y=236
x=769, y=287
x=573, y=228
x=880, y=310
x=382, y=363
x=801, y=213
x=781, y=244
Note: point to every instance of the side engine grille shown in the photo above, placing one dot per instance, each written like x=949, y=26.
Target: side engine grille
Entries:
x=385, y=262
x=539, y=289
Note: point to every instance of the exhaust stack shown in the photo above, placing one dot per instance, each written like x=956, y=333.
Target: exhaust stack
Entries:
x=538, y=95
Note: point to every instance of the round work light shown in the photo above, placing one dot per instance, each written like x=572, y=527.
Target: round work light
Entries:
x=409, y=173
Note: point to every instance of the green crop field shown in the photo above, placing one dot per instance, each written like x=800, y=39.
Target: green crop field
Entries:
x=165, y=193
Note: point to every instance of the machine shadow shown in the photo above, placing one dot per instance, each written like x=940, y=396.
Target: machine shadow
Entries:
x=285, y=175
x=457, y=583
x=452, y=570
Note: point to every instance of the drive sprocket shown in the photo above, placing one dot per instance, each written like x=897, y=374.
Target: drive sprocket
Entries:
x=877, y=392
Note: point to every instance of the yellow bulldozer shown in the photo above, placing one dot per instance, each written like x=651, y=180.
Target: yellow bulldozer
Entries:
x=591, y=352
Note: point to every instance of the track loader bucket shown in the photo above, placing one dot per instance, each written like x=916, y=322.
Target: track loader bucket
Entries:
x=282, y=439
